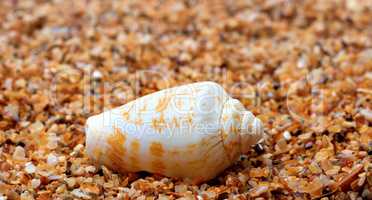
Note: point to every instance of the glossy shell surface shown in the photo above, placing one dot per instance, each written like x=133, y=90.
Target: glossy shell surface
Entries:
x=192, y=131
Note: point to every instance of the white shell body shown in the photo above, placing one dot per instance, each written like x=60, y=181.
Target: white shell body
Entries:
x=192, y=131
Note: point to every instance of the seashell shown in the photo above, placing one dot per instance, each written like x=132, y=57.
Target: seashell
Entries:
x=193, y=131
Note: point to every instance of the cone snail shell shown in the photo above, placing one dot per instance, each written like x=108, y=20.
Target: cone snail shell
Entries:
x=193, y=131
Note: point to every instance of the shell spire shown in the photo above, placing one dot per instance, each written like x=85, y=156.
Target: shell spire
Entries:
x=240, y=129
x=251, y=131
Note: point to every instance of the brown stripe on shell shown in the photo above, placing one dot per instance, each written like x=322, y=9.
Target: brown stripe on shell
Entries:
x=116, y=150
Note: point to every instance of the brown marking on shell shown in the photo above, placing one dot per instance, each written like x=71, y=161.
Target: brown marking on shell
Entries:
x=158, y=166
x=179, y=168
x=231, y=145
x=195, y=164
x=134, y=156
x=116, y=150
x=138, y=121
x=175, y=122
x=163, y=103
x=126, y=116
x=179, y=104
x=203, y=142
x=189, y=118
x=97, y=152
x=174, y=152
x=126, y=112
x=224, y=134
x=192, y=146
x=224, y=118
x=206, y=142
x=134, y=163
x=237, y=117
x=116, y=142
x=156, y=149
x=234, y=143
x=158, y=123
x=233, y=129
x=219, y=164
x=135, y=146
x=190, y=149
x=144, y=107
